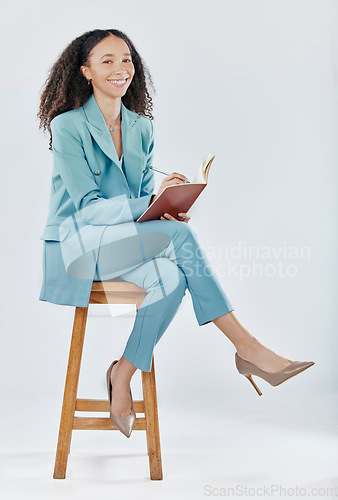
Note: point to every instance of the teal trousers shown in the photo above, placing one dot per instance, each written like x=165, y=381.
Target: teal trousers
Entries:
x=164, y=258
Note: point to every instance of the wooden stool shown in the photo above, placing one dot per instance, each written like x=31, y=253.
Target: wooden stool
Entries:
x=105, y=292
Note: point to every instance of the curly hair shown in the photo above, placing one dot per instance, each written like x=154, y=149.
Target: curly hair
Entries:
x=66, y=87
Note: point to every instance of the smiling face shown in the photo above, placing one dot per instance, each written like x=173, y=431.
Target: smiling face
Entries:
x=110, y=69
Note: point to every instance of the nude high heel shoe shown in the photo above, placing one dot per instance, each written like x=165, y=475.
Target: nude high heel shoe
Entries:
x=124, y=424
x=247, y=369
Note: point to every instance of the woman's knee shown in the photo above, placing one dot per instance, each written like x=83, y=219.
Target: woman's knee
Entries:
x=167, y=275
x=182, y=227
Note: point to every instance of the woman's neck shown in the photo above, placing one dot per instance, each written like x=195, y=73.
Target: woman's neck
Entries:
x=110, y=107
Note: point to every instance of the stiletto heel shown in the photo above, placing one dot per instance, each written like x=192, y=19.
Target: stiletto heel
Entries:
x=124, y=423
x=253, y=383
x=248, y=369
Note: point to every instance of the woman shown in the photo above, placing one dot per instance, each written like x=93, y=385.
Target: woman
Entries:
x=98, y=110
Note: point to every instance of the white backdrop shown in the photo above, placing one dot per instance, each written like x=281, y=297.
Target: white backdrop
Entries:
x=251, y=81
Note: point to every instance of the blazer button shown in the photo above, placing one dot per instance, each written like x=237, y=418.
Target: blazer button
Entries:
x=97, y=172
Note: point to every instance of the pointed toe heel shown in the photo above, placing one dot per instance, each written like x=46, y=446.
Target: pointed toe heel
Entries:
x=248, y=369
x=125, y=423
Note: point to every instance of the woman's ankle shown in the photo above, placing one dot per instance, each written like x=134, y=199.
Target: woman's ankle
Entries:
x=121, y=378
x=249, y=347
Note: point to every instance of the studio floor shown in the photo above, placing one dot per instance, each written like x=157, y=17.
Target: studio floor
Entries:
x=277, y=445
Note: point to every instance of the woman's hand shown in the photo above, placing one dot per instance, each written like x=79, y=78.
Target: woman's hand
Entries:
x=170, y=180
x=184, y=217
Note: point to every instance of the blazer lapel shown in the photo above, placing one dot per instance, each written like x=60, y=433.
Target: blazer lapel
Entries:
x=132, y=149
x=131, y=139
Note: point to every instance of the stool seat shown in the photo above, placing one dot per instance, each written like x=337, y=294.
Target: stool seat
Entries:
x=113, y=291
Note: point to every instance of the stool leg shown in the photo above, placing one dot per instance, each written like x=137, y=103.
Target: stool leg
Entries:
x=152, y=425
x=70, y=392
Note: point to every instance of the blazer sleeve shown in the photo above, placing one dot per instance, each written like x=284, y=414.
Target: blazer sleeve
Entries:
x=71, y=164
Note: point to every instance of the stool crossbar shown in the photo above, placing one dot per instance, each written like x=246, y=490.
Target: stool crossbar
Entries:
x=105, y=292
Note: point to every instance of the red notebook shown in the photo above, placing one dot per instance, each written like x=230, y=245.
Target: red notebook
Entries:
x=179, y=197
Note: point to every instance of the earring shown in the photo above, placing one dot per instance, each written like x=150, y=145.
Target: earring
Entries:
x=88, y=81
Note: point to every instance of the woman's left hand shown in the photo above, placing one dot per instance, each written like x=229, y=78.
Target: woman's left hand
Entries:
x=184, y=215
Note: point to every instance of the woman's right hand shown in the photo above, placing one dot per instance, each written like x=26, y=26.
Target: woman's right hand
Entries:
x=170, y=180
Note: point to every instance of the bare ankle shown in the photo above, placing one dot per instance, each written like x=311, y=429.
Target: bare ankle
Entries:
x=248, y=345
x=120, y=378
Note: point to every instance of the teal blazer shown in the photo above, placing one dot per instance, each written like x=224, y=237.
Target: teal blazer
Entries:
x=90, y=190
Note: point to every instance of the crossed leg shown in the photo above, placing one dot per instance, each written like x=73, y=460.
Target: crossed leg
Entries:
x=166, y=259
